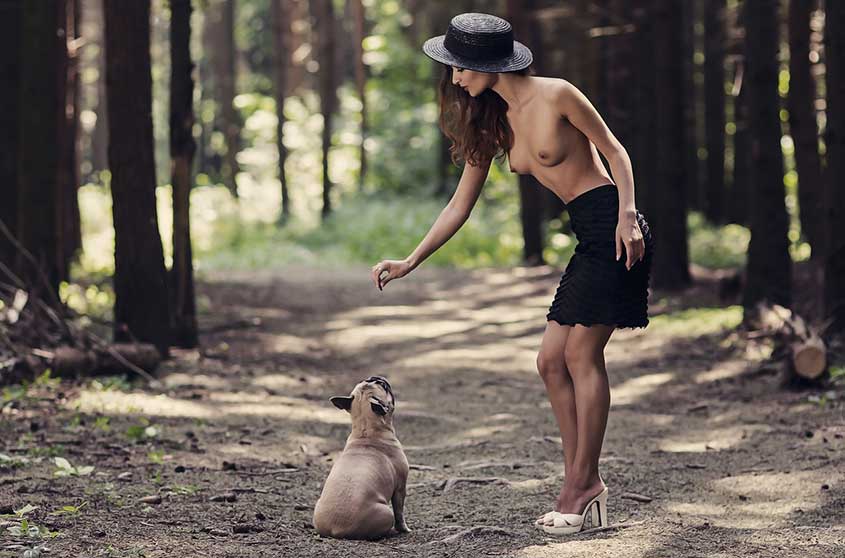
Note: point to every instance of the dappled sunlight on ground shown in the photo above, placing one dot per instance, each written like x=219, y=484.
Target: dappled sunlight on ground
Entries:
x=220, y=405
x=358, y=336
x=634, y=389
x=726, y=369
x=732, y=463
x=701, y=440
x=630, y=543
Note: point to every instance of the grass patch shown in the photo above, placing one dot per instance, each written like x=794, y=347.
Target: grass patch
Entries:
x=692, y=322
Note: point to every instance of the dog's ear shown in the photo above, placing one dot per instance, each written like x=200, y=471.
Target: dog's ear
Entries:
x=379, y=408
x=343, y=402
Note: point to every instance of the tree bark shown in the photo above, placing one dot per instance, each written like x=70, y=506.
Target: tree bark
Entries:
x=100, y=137
x=669, y=212
x=328, y=94
x=714, y=109
x=10, y=28
x=741, y=186
x=835, y=141
x=219, y=41
x=69, y=227
x=769, y=267
x=531, y=192
x=690, y=15
x=228, y=80
x=357, y=8
x=140, y=282
x=621, y=68
x=802, y=124
x=182, y=149
x=280, y=24
x=644, y=122
x=40, y=128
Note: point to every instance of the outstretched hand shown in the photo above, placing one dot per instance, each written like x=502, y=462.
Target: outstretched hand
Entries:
x=628, y=233
x=394, y=269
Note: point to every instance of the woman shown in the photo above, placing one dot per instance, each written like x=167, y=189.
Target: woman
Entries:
x=491, y=101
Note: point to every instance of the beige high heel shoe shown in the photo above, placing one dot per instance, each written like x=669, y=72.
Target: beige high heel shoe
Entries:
x=569, y=523
x=547, y=517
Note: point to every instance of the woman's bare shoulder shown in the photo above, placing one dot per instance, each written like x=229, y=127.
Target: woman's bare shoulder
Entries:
x=554, y=88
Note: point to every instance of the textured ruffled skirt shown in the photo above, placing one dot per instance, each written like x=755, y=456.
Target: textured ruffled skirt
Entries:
x=595, y=287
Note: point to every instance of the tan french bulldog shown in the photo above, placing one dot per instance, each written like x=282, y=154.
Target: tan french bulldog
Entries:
x=364, y=495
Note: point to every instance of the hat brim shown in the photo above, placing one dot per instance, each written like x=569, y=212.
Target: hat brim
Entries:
x=519, y=59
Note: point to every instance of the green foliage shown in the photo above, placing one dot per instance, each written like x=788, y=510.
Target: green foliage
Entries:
x=27, y=528
x=142, y=431
x=23, y=392
x=12, y=462
x=156, y=457
x=716, y=246
x=65, y=469
x=696, y=321
x=369, y=229
x=70, y=510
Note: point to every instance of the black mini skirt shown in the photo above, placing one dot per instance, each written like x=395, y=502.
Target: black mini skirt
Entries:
x=596, y=288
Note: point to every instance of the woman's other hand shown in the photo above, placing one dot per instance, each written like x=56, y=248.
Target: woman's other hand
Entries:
x=388, y=270
x=628, y=232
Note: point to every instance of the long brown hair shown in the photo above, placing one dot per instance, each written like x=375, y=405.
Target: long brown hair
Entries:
x=477, y=126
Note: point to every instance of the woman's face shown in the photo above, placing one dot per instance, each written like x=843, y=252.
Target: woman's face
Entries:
x=471, y=81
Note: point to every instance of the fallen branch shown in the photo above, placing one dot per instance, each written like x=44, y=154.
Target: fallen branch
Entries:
x=451, y=483
x=472, y=532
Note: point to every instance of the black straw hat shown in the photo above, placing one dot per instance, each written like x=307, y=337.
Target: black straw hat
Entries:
x=481, y=42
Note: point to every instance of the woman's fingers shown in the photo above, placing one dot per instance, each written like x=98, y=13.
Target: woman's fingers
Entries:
x=378, y=269
x=618, y=246
x=374, y=275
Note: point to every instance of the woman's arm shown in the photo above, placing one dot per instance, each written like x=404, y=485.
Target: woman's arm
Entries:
x=454, y=215
x=575, y=106
x=451, y=218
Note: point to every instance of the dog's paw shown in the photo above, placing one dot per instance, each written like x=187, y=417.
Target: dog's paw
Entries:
x=402, y=527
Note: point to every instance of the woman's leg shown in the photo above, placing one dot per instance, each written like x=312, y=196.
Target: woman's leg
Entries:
x=559, y=387
x=584, y=356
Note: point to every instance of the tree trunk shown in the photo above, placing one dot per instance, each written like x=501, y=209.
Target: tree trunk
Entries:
x=741, y=185
x=802, y=123
x=621, y=60
x=669, y=212
x=10, y=28
x=439, y=20
x=690, y=14
x=642, y=156
x=358, y=14
x=41, y=126
x=228, y=79
x=100, y=136
x=714, y=109
x=531, y=192
x=182, y=149
x=219, y=42
x=69, y=227
x=835, y=141
x=328, y=95
x=140, y=282
x=769, y=265
x=280, y=26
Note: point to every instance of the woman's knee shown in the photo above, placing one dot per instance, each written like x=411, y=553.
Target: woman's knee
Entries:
x=551, y=366
x=579, y=359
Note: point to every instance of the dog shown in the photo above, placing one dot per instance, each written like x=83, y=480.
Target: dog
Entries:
x=364, y=495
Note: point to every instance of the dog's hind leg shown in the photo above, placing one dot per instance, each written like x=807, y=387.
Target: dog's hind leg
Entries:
x=398, y=502
x=376, y=522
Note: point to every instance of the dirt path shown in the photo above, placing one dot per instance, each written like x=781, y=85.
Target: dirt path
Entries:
x=241, y=436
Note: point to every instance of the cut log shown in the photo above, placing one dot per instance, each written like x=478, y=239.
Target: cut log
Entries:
x=806, y=348
x=118, y=357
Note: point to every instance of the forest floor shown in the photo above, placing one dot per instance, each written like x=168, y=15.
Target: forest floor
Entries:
x=228, y=456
